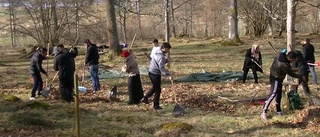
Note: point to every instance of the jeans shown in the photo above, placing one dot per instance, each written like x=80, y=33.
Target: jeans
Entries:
x=94, y=69
x=245, y=73
x=156, y=89
x=37, y=84
x=314, y=75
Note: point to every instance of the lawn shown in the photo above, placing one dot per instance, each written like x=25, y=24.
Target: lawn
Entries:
x=206, y=114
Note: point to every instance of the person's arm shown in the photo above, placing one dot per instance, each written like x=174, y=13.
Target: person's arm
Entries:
x=260, y=59
x=74, y=52
x=161, y=62
x=88, y=55
x=56, y=64
x=287, y=68
x=39, y=65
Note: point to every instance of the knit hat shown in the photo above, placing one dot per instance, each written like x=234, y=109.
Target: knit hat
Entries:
x=125, y=54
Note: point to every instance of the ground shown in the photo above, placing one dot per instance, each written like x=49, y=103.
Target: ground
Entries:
x=207, y=114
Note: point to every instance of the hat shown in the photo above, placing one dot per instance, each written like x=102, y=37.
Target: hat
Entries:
x=125, y=54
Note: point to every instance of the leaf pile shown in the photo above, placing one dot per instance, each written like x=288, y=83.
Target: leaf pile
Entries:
x=309, y=119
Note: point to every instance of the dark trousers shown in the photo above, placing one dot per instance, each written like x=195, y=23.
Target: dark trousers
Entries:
x=276, y=92
x=66, y=86
x=37, y=84
x=305, y=86
x=156, y=88
x=135, y=89
x=254, y=71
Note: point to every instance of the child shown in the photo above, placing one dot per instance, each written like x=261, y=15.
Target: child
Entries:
x=134, y=82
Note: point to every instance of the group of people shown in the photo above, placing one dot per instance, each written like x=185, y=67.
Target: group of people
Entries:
x=64, y=63
x=156, y=69
x=279, y=69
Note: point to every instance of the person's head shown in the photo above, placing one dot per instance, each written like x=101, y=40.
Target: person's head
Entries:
x=155, y=42
x=292, y=56
x=125, y=53
x=87, y=42
x=60, y=47
x=165, y=47
x=43, y=51
x=255, y=47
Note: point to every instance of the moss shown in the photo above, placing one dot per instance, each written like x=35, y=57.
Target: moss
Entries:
x=11, y=98
x=37, y=104
x=176, y=125
x=27, y=118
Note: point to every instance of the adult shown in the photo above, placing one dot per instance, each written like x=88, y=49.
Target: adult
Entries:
x=92, y=60
x=157, y=66
x=279, y=69
x=36, y=70
x=134, y=82
x=253, y=61
x=64, y=63
x=308, y=54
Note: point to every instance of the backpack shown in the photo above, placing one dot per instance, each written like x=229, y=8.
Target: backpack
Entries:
x=294, y=100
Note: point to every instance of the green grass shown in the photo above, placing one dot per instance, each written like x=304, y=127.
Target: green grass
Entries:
x=207, y=115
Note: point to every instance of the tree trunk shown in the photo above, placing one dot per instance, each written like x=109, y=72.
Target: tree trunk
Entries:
x=139, y=19
x=54, y=38
x=233, y=21
x=112, y=28
x=173, y=26
x=270, y=26
x=290, y=25
x=166, y=13
x=12, y=22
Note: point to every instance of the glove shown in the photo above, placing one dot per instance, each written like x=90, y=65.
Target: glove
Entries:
x=170, y=78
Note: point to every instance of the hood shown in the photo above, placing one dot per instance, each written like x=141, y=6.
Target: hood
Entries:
x=283, y=58
x=159, y=51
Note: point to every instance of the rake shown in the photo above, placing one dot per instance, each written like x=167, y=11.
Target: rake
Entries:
x=177, y=110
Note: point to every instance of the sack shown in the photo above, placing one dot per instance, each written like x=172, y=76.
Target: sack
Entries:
x=294, y=100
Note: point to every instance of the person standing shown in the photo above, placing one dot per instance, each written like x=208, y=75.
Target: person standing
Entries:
x=279, y=69
x=308, y=54
x=64, y=63
x=157, y=66
x=36, y=70
x=253, y=61
x=155, y=44
x=92, y=60
x=134, y=82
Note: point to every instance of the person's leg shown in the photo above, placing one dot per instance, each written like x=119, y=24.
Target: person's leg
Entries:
x=273, y=89
x=40, y=86
x=255, y=76
x=97, y=77
x=314, y=75
x=245, y=73
x=69, y=88
x=157, y=93
x=131, y=85
x=305, y=86
x=35, y=85
x=94, y=77
x=63, y=88
x=278, y=97
x=155, y=86
x=139, y=88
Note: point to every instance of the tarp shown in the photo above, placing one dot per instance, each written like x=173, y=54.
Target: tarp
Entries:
x=109, y=74
x=204, y=76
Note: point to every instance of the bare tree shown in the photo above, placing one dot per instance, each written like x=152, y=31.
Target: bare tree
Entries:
x=291, y=13
x=112, y=28
x=233, y=21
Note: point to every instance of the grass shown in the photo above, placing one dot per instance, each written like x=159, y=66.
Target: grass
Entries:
x=207, y=115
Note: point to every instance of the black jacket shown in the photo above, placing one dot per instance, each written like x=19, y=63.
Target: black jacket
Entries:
x=36, y=63
x=308, y=52
x=248, y=63
x=92, y=56
x=302, y=64
x=281, y=66
x=64, y=62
